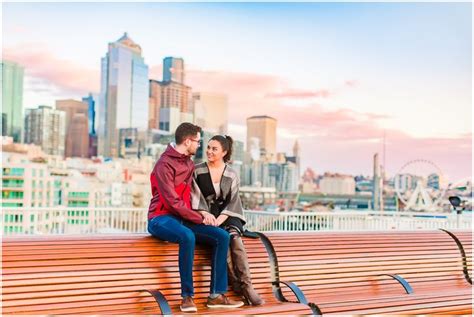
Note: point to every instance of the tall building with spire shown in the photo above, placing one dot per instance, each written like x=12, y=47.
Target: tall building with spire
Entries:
x=377, y=194
x=297, y=155
x=124, y=94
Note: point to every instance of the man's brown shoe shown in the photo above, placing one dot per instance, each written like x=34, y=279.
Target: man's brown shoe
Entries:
x=187, y=305
x=222, y=301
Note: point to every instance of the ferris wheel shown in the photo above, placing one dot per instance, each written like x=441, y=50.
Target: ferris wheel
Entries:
x=420, y=185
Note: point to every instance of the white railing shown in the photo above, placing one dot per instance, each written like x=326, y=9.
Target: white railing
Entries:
x=73, y=220
x=354, y=221
x=66, y=220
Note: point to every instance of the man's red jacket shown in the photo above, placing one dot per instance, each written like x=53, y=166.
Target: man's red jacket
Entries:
x=171, y=181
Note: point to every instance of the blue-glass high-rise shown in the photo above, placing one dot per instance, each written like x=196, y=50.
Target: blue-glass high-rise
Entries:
x=92, y=101
x=124, y=94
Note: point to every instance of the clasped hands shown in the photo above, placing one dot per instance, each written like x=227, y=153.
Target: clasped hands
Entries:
x=210, y=220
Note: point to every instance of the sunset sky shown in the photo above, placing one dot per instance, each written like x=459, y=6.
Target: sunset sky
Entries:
x=336, y=76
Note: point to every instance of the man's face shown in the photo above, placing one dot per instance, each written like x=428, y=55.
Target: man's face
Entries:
x=194, y=143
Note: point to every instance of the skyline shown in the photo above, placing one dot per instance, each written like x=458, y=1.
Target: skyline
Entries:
x=333, y=85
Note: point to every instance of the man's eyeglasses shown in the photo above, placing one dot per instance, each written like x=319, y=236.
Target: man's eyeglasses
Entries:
x=198, y=140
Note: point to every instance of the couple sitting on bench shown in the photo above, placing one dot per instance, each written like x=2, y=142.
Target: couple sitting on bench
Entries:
x=201, y=204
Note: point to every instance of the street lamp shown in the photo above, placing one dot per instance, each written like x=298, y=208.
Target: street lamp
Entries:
x=456, y=202
x=458, y=206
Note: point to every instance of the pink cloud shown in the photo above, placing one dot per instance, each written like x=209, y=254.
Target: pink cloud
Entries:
x=323, y=93
x=232, y=82
x=452, y=155
x=155, y=72
x=40, y=63
x=337, y=139
x=351, y=83
x=16, y=29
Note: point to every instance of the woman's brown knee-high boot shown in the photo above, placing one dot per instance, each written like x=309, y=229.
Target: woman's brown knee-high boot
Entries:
x=234, y=281
x=242, y=270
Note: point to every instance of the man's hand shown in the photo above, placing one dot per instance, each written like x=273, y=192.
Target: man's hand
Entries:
x=209, y=218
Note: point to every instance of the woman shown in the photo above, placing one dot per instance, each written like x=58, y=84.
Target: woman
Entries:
x=217, y=191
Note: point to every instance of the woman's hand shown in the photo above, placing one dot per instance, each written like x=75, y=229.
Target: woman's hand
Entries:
x=209, y=218
x=221, y=219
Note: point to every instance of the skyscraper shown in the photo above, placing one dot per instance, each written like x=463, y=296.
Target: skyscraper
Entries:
x=296, y=154
x=176, y=95
x=124, y=93
x=170, y=103
x=377, y=194
x=77, y=137
x=211, y=111
x=77, y=130
x=154, y=104
x=92, y=101
x=12, y=99
x=173, y=69
x=46, y=127
x=263, y=128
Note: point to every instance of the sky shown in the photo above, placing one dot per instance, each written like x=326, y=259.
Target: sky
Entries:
x=337, y=76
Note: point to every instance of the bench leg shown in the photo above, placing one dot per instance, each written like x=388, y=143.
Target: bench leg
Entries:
x=161, y=301
x=275, y=276
x=463, y=255
x=402, y=281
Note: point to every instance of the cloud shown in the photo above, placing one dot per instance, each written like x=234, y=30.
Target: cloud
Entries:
x=333, y=137
x=351, y=83
x=155, y=72
x=323, y=93
x=39, y=62
x=15, y=29
x=452, y=155
x=232, y=82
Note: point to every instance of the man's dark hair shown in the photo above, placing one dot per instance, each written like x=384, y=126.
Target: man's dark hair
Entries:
x=186, y=130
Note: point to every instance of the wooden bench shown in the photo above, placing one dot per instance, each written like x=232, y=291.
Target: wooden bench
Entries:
x=111, y=275
x=373, y=272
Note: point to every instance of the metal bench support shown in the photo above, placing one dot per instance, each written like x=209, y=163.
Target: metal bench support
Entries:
x=275, y=277
x=463, y=255
x=402, y=281
x=161, y=301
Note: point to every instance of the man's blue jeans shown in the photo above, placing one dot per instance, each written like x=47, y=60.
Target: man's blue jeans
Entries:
x=174, y=229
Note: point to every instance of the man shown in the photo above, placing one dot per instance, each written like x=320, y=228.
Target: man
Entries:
x=170, y=218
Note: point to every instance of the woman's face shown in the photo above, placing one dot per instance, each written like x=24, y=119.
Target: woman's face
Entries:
x=214, y=151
